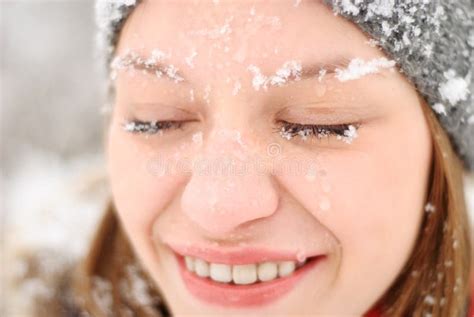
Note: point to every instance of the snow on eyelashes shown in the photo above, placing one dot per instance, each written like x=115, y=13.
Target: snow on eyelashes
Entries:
x=290, y=71
x=287, y=130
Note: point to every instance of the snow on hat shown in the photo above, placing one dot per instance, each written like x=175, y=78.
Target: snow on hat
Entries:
x=432, y=41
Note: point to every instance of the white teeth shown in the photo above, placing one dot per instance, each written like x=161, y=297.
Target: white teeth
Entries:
x=221, y=272
x=201, y=268
x=241, y=274
x=267, y=271
x=189, y=263
x=244, y=274
x=286, y=268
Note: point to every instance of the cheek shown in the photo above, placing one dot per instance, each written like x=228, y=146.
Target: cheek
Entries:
x=378, y=218
x=371, y=201
x=377, y=206
x=143, y=179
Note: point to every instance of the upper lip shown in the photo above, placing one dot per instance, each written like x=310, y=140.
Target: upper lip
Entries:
x=238, y=255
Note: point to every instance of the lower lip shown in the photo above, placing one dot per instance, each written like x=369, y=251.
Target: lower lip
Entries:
x=231, y=295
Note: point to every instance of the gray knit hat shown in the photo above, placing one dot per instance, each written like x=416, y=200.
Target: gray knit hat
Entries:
x=431, y=40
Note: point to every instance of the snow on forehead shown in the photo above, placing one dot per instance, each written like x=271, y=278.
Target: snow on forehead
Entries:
x=220, y=29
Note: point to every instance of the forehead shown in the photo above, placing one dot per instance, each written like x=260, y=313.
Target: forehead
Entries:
x=218, y=38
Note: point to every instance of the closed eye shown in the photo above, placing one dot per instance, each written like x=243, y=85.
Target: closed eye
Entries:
x=346, y=132
x=150, y=127
x=287, y=130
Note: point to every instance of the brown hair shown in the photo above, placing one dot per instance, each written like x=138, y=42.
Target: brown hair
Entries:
x=435, y=280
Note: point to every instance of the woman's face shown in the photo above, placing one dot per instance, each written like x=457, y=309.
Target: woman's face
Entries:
x=273, y=150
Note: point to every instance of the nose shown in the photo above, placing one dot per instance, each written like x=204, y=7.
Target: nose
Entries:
x=221, y=200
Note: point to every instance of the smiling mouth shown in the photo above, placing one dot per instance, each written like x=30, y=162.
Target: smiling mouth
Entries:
x=243, y=285
x=243, y=274
x=242, y=277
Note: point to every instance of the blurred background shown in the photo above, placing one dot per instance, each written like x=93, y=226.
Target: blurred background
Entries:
x=53, y=184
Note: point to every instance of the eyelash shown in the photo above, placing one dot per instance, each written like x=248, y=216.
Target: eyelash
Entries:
x=150, y=127
x=287, y=130
x=346, y=131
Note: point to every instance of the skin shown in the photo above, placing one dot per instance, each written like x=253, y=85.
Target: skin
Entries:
x=363, y=204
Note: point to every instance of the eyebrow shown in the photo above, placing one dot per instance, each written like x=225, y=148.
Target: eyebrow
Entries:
x=156, y=68
x=328, y=67
x=309, y=70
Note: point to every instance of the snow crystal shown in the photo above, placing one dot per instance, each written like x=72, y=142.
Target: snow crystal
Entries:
x=197, y=138
x=261, y=20
x=350, y=134
x=139, y=290
x=430, y=300
x=321, y=74
x=286, y=134
x=455, y=88
x=439, y=108
x=349, y=7
x=222, y=31
x=189, y=60
x=381, y=7
x=127, y=3
x=406, y=39
x=108, y=11
x=428, y=50
x=417, y=31
x=407, y=19
x=386, y=29
x=233, y=135
x=373, y=43
x=156, y=56
x=274, y=21
x=303, y=134
x=470, y=40
x=236, y=89
x=359, y=68
x=172, y=72
x=429, y=207
x=131, y=60
x=258, y=79
x=102, y=294
x=290, y=69
x=129, y=126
